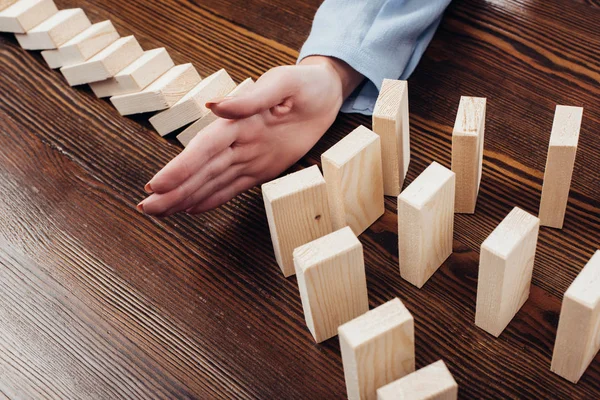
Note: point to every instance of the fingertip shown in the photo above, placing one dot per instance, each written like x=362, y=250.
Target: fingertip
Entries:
x=140, y=207
x=148, y=188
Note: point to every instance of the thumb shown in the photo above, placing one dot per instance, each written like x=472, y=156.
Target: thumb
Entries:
x=270, y=90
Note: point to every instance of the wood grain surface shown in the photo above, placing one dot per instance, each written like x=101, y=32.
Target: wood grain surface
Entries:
x=97, y=300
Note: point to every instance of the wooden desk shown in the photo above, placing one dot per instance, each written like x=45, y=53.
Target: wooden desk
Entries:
x=97, y=300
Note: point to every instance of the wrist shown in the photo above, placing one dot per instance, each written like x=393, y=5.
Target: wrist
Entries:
x=348, y=77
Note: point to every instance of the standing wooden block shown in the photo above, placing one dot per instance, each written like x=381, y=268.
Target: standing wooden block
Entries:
x=377, y=348
x=559, y=165
x=433, y=382
x=578, y=335
x=26, y=14
x=297, y=211
x=467, y=152
x=426, y=224
x=390, y=121
x=105, y=64
x=191, y=131
x=192, y=106
x=55, y=31
x=354, y=176
x=6, y=3
x=136, y=76
x=332, y=282
x=505, y=270
x=160, y=94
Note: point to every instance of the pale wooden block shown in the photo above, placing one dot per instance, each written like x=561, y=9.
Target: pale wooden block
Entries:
x=391, y=122
x=505, y=270
x=578, y=335
x=6, y=3
x=426, y=223
x=377, y=348
x=55, y=31
x=88, y=43
x=433, y=382
x=559, y=165
x=297, y=212
x=332, y=282
x=467, y=152
x=192, y=106
x=52, y=58
x=105, y=64
x=26, y=14
x=191, y=131
x=160, y=94
x=354, y=175
x=136, y=76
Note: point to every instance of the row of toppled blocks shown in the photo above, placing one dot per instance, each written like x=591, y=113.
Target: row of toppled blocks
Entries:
x=136, y=81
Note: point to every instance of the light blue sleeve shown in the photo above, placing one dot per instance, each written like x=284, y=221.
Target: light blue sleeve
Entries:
x=378, y=38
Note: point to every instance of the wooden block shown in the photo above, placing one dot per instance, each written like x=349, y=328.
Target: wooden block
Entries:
x=6, y=3
x=467, y=152
x=26, y=14
x=55, y=31
x=434, y=382
x=559, y=165
x=332, y=282
x=52, y=58
x=354, y=175
x=505, y=270
x=160, y=94
x=191, y=131
x=297, y=211
x=191, y=106
x=377, y=348
x=426, y=224
x=578, y=335
x=136, y=76
x=105, y=64
x=88, y=43
x=390, y=121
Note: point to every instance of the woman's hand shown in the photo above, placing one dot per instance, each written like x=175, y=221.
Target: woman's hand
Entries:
x=260, y=134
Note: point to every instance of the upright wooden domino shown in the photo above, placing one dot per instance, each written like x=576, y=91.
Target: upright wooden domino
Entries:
x=390, y=121
x=105, y=64
x=55, y=31
x=505, y=270
x=136, y=76
x=354, y=176
x=297, y=212
x=23, y=15
x=578, y=335
x=426, y=224
x=191, y=131
x=377, y=348
x=434, y=382
x=192, y=106
x=559, y=165
x=467, y=152
x=332, y=282
x=160, y=94
x=83, y=46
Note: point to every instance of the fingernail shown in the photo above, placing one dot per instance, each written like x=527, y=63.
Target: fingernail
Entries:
x=216, y=101
x=140, y=207
x=148, y=188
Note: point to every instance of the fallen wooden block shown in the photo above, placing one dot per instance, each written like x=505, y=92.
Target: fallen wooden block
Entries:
x=578, y=335
x=191, y=131
x=434, y=382
x=105, y=64
x=426, y=224
x=192, y=106
x=505, y=270
x=353, y=172
x=136, y=76
x=467, y=152
x=391, y=122
x=55, y=31
x=6, y=3
x=297, y=212
x=83, y=46
x=332, y=282
x=26, y=14
x=559, y=165
x=160, y=94
x=377, y=348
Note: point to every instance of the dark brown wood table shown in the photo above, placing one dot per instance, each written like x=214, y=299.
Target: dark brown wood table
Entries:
x=99, y=301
